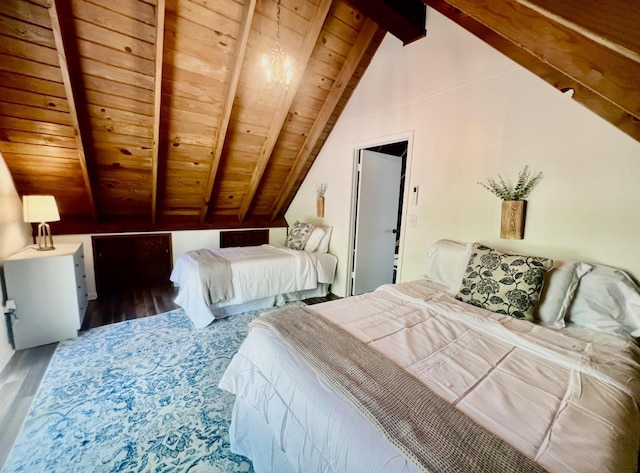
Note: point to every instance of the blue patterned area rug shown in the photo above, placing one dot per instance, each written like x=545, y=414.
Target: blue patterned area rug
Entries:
x=140, y=396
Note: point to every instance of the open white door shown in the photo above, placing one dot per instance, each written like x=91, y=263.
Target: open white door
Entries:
x=376, y=220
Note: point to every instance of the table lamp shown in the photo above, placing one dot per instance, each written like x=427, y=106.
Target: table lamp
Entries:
x=41, y=209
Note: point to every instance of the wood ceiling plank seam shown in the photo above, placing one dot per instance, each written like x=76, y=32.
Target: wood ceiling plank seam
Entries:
x=200, y=30
x=28, y=112
x=33, y=84
x=303, y=9
x=28, y=32
x=304, y=54
x=226, y=14
x=116, y=74
x=606, y=109
x=367, y=34
x=186, y=117
x=99, y=124
x=219, y=139
x=115, y=57
x=126, y=8
x=122, y=104
x=114, y=21
x=349, y=16
x=118, y=116
x=171, y=102
x=25, y=11
x=118, y=41
x=70, y=88
x=17, y=136
x=40, y=151
x=32, y=99
x=35, y=126
x=128, y=91
x=267, y=24
x=30, y=51
x=30, y=68
x=160, y=13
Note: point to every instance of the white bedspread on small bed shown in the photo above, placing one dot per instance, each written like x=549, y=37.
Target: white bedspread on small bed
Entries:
x=568, y=399
x=257, y=272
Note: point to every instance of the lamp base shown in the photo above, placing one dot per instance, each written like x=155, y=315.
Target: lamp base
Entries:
x=45, y=240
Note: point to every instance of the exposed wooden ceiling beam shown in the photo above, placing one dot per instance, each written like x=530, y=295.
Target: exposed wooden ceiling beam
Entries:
x=70, y=89
x=355, y=56
x=221, y=133
x=405, y=19
x=604, y=78
x=306, y=49
x=157, y=103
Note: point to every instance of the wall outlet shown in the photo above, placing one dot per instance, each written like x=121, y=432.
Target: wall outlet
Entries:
x=413, y=220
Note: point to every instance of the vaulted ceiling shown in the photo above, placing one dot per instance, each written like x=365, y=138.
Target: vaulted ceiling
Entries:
x=155, y=114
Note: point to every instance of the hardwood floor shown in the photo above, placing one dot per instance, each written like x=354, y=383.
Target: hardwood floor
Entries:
x=21, y=377
x=129, y=305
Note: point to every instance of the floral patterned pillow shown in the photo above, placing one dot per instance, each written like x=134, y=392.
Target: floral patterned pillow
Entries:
x=298, y=235
x=503, y=283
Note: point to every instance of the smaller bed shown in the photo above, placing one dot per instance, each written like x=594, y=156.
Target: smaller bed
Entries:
x=259, y=277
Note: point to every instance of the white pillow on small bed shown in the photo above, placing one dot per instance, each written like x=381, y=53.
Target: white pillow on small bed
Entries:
x=559, y=288
x=323, y=247
x=446, y=263
x=607, y=300
x=314, y=239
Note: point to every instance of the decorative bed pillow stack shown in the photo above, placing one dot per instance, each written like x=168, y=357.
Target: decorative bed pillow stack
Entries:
x=305, y=236
x=597, y=297
x=503, y=283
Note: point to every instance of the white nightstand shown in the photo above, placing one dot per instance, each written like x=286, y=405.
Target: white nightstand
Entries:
x=50, y=292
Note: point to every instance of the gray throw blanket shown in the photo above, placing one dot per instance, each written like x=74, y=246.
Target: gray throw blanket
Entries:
x=215, y=276
x=426, y=429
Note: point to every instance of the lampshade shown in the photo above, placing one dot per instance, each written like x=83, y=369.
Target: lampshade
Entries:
x=40, y=208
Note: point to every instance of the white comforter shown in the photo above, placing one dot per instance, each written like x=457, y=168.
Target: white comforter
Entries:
x=568, y=399
x=257, y=272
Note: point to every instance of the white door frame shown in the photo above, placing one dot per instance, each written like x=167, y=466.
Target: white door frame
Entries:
x=357, y=146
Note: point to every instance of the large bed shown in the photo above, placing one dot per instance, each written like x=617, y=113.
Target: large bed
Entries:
x=555, y=388
x=261, y=276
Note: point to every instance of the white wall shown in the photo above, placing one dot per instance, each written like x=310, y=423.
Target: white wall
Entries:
x=14, y=234
x=473, y=114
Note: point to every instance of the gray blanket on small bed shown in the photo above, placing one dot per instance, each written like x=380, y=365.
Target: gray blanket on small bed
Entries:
x=426, y=429
x=215, y=275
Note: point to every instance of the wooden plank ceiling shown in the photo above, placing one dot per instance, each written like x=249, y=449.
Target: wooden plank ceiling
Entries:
x=151, y=114
x=155, y=114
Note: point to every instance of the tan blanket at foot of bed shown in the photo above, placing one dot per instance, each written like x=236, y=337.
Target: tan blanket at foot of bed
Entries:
x=430, y=432
x=215, y=276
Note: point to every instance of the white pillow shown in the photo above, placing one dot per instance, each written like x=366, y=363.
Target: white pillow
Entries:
x=323, y=247
x=559, y=287
x=607, y=300
x=446, y=263
x=314, y=239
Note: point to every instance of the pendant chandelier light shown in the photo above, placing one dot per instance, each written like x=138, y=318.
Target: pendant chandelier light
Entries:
x=277, y=66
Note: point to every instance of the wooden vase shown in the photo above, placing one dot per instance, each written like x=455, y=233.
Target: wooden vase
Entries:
x=320, y=207
x=512, y=221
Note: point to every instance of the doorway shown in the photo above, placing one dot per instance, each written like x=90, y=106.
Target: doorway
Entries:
x=378, y=209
